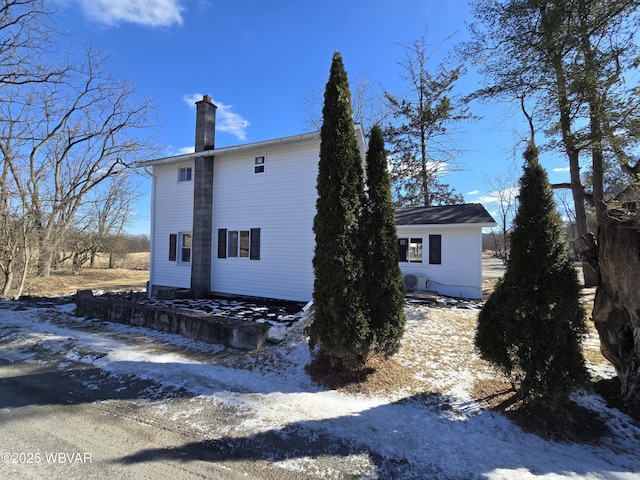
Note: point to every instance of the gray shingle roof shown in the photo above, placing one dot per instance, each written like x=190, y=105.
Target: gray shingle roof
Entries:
x=468, y=213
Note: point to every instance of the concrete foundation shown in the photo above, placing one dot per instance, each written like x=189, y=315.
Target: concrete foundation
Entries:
x=230, y=332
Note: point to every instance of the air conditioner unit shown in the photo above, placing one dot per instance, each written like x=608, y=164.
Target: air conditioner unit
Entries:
x=413, y=281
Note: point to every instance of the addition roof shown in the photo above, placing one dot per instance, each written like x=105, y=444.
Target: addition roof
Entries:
x=467, y=213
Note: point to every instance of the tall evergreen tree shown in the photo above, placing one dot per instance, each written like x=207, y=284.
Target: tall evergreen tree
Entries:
x=531, y=327
x=340, y=326
x=420, y=134
x=384, y=287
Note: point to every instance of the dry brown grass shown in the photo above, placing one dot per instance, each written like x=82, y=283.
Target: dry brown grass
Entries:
x=132, y=274
x=377, y=376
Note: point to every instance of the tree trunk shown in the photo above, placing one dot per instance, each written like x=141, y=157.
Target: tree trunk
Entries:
x=25, y=270
x=616, y=311
x=8, y=279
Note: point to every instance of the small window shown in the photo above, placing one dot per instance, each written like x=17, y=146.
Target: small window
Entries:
x=184, y=175
x=185, y=247
x=435, y=249
x=239, y=243
x=410, y=250
x=259, y=164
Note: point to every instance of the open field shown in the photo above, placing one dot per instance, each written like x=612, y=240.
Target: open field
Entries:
x=132, y=274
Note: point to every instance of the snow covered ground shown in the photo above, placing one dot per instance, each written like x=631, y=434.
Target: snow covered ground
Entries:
x=404, y=435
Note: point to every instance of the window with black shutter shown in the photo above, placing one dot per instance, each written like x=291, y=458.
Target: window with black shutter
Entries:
x=239, y=243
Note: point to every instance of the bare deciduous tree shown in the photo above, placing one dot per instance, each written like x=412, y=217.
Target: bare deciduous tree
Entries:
x=66, y=128
x=367, y=100
x=504, y=189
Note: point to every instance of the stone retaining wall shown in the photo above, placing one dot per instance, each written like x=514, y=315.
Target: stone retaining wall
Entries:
x=230, y=332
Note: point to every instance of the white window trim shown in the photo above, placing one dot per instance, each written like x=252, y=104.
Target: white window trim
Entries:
x=180, y=247
x=237, y=255
x=409, y=239
x=185, y=169
x=257, y=165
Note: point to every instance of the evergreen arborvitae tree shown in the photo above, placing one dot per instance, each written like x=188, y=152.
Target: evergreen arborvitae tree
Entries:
x=384, y=287
x=532, y=326
x=340, y=327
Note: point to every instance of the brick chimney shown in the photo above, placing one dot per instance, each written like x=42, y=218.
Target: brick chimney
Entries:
x=205, y=124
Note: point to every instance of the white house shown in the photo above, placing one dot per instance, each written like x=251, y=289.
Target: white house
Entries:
x=441, y=248
x=238, y=220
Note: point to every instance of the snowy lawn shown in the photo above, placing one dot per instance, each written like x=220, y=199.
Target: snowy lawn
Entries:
x=430, y=428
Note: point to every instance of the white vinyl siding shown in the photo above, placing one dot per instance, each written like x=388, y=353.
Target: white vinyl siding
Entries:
x=173, y=210
x=282, y=205
x=460, y=272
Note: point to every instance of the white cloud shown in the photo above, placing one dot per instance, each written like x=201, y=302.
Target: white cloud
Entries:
x=488, y=199
x=473, y=192
x=496, y=196
x=185, y=150
x=226, y=120
x=153, y=13
x=561, y=169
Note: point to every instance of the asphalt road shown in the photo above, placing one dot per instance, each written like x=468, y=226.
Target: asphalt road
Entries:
x=52, y=426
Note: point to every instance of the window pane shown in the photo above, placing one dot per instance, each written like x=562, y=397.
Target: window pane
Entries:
x=185, y=247
x=244, y=243
x=259, y=165
x=185, y=174
x=233, y=243
x=415, y=250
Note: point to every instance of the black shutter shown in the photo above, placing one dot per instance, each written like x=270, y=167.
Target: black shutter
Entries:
x=173, y=243
x=254, y=252
x=402, y=249
x=435, y=249
x=222, y=243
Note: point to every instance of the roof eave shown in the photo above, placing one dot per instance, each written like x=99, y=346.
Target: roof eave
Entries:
x=235, y=148
x=449, y=225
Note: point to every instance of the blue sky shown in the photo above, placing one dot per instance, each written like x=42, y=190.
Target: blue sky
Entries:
x=258, y=60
